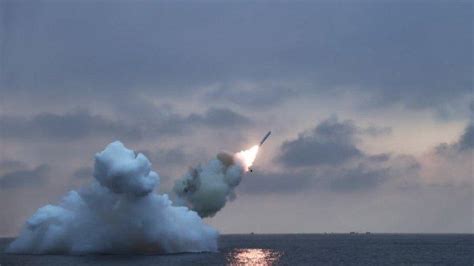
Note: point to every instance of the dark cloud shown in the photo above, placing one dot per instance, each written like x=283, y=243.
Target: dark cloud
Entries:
x=83, y=173
x=396, y=52
x=23, y=176
x=383, y=157
x=371, y=172
x=327, y=158
x=463, y=144
x=329, y=143
x=450, y=165
x=254, y=96
x=219, y=117
x=81, y=124
x=467, y=139
x=376, y=131
x=340, y=173
x=11, y=165
x=69, y=126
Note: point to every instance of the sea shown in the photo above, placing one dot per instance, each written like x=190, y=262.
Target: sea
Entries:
x=290, y=249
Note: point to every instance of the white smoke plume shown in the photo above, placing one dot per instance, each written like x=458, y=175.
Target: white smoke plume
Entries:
x=206, y=189
x=117, y=213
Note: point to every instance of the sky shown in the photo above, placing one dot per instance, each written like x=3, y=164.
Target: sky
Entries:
x=369, y=103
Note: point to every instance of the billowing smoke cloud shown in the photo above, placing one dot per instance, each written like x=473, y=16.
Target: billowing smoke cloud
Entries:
x=120, y=213
x=207, y=188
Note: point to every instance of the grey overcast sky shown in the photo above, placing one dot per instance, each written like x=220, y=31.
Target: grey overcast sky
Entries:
x=370, y=105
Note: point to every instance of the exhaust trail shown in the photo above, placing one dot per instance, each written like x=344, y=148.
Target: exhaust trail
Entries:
x=207, y=188
x=119, y=212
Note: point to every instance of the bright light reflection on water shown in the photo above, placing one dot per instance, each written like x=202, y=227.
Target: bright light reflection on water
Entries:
x=253, y=256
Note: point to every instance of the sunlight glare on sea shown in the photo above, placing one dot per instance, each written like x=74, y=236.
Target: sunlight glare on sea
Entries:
x=253, y=256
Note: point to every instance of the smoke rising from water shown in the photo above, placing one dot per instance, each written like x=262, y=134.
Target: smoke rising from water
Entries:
x=207, y=188
x=120, y=213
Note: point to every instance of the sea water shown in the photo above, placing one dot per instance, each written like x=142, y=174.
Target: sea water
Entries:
x=291, y=249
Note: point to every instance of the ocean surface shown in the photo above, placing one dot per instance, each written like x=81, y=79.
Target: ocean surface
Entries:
x=298, y=249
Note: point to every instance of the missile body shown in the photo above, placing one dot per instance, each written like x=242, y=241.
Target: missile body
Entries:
x=265, y=138
x=261, y=143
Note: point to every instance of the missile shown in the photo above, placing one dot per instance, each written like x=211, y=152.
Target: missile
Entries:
x=265, y=138
x=261, y=143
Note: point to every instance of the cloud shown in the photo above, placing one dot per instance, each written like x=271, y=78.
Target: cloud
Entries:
x=367, y=174
x=375, y=131
x=450, y=164
x=329, y=143
x=412, y=56
x=327, y=158
x=360, y=175
x=250, y=95
x=16, y=175
x=466, y=141
x=175, y=156
x=81, y=124
x=462, y=146
x=322, y=164
x=393, y=52
x=74, y=125
x=219, y=117
x=11, y=165
x=83, y=173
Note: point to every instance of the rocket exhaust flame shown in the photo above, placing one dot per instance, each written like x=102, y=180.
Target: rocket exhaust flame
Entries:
x=248, y=156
